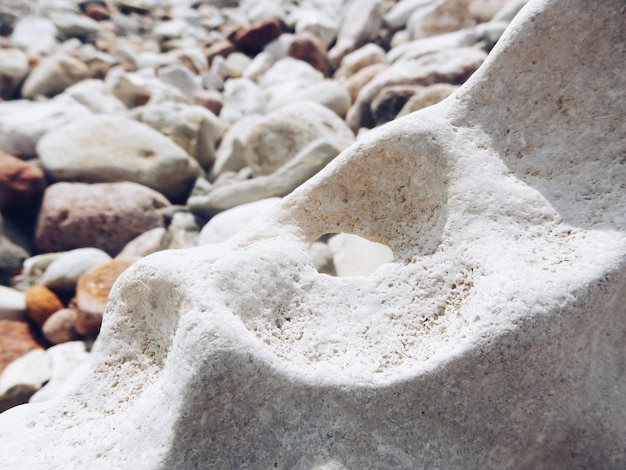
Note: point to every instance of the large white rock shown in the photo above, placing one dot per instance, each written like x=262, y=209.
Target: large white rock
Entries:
x=23, y=122
x=101, y=149
x=494, y=340
x=282, y=134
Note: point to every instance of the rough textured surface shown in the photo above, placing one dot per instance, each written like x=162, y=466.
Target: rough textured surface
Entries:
x=494, y=340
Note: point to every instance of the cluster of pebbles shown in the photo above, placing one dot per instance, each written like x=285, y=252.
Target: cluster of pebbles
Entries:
x=133, y=126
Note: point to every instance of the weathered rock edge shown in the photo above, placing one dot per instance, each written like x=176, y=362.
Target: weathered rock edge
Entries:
x=495, y=340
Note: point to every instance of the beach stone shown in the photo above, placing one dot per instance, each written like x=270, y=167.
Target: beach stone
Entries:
x=34, y=34
x=104, y=216
x=59, y=327
x=322, y=22
x=67, y=362
x=306, y=163
x=509, y=10
x=97, y=12
x=23, y=377
x=21, y=185
x=12, y=256
x=356, y=82
x=495, y=339
x=230, y=155
x=361, y=23
x=427, y=96
x=12, y=304
x=329, y=93
x=13, y=68
x=289, y=74
x=102, y=148
x=16, y=339
x=209, y=99
x=399, y=14
x=258, y=66
x=389, y=101
x=441, y=16
x=180, y=77
x=53, y=75
x=72, y=25
x=92, y=293
x=96, y=97
x=253, y=39
x=357, y=256
x=193, y=128
x=242, y=97
x=219, y=49
x=23, y=122
x=282, y=134
x=354, y=61
x=149, y=242
x=224, y=225
x=450, y=66
x=63, y=272
x=307, y=47
x=41, y=303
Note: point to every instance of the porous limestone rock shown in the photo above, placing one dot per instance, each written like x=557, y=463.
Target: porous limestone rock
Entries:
x=495, y=339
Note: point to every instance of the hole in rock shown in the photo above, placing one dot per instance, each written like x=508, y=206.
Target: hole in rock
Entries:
x=345, y=254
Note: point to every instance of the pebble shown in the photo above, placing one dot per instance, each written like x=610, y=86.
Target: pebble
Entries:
x=60, y=326
x=21, y=185
x=16, y=339
x=63, y=272
x=41, y=303
x=102, y=148
x=114, y=112
x=53, y=75
x=104, y=216
x=23, y=122
x=23, y=377
x=92, y=293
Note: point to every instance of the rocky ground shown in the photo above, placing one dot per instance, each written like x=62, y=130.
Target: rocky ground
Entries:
x=133, y=126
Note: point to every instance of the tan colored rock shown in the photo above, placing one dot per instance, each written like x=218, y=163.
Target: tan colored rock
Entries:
x=41, y=303
x=60, y=326
x=92, y=293
x=361, y=78
x=427, y=96
x=53, y=75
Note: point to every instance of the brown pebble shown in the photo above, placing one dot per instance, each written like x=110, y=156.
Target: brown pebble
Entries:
x=41, y=303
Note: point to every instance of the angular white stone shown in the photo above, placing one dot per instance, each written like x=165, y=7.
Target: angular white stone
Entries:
x=495, y=339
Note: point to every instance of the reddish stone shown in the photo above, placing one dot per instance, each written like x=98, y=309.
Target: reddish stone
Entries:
x=41, y=303
x=97, y=12
x=16, y=339
x=103, y=215
x=92, y=294
x=21, y=184
x=307, y=47
x=253, y=39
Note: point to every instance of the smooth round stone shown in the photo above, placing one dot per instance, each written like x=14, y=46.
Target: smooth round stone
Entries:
x=64, y=271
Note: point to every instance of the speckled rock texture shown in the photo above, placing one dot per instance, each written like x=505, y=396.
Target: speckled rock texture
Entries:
x=495, y=339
